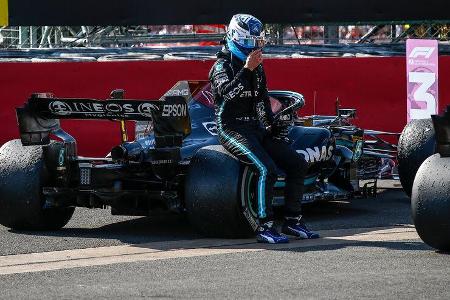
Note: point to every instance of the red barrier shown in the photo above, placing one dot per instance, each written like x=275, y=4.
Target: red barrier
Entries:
x=376, y=87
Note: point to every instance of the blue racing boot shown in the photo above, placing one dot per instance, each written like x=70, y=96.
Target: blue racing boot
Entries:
x=266, y=233
x=296, y=227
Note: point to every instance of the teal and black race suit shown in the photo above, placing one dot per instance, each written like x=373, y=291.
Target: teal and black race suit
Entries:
x=243, y=115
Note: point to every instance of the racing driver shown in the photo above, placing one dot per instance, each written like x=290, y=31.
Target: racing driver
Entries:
x=246, y=127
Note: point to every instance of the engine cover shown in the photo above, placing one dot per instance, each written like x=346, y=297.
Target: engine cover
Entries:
x=315, y=144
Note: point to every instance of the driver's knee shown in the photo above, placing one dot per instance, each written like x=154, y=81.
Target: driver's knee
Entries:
x=298, y=167
x=271, y=172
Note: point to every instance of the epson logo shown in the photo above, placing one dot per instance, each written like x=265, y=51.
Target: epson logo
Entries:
x=174, y=110
x=316, y=154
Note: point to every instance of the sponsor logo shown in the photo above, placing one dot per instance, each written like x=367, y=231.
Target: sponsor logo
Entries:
x=285, y=117
x=422, y=51
x=211, y=127
x=146, y=109
x=221, y=78
x=98, y=109
x=60, y=108
x=176, y=92
x=61, y=157
x=221, y=81
x=250, y=219
x=317, y=154
x=254, y=26
x=114, y=107
x=219, y=67
x=162, y=162
x=234, y=92
x=149, y=143
x=222, y=75
x=248, y=94
x=174, y=110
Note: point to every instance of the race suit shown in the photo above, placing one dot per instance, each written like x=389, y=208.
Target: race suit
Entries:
x=243, y=115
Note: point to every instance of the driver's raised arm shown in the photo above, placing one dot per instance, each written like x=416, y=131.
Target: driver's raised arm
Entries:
x=229, y=86
x=264, y=108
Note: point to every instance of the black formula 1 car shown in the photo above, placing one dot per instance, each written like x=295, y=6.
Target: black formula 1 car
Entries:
x=175, y=162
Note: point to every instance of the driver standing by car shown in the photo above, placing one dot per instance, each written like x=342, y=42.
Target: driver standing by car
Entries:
x=246, y=127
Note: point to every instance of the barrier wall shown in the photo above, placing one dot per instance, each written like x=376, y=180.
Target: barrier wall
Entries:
x=375, y=86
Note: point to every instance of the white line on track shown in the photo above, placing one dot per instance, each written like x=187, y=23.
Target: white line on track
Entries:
x=76, y=258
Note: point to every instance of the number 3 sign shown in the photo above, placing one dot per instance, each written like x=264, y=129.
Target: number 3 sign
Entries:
x=422, y=73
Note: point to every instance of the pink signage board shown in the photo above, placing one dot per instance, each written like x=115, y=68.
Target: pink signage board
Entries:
x=422, y=77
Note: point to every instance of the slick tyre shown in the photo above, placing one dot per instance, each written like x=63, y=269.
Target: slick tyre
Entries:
x=430, y=202
x=23, y=173
x=416, y=143
x=214, y=187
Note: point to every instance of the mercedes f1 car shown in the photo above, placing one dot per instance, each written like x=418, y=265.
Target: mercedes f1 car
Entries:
x=175, y=161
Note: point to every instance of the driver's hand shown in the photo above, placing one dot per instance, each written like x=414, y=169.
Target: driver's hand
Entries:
x=280, y=132
x=254, y=59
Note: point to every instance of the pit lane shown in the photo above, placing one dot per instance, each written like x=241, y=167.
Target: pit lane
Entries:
x=369, y=249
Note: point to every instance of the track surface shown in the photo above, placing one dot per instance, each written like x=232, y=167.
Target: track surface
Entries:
x=369, y=249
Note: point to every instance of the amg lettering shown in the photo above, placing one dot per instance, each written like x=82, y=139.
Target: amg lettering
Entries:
x=184, y=92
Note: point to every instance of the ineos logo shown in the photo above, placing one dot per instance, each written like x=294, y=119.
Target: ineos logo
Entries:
x=113, y=107
x=146, y=109
x=60, y=108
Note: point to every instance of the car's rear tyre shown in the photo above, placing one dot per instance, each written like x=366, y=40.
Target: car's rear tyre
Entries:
x=430, y=202
x=416, y=143
x=23, y=173
x=217, y=190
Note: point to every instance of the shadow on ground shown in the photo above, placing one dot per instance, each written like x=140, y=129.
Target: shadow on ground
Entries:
x=390, y=208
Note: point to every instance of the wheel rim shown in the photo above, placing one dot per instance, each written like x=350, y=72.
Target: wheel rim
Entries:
x=248, y=191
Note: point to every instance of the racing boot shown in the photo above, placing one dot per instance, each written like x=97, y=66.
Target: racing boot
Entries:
x=266, y=233
x=297, y=227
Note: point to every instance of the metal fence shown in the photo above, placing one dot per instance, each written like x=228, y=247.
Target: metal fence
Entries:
x=189, y=35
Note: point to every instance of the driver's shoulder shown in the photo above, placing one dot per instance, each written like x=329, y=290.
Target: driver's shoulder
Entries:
x=221, y=64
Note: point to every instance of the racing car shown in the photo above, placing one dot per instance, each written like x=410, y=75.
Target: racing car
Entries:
x=174, y=163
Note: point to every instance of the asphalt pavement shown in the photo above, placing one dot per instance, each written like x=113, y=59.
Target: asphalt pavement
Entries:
x=369, y=249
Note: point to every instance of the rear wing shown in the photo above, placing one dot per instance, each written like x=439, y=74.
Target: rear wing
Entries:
x=39, y=117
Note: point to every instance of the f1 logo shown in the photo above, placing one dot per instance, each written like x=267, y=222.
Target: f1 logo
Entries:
x=422, y=51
